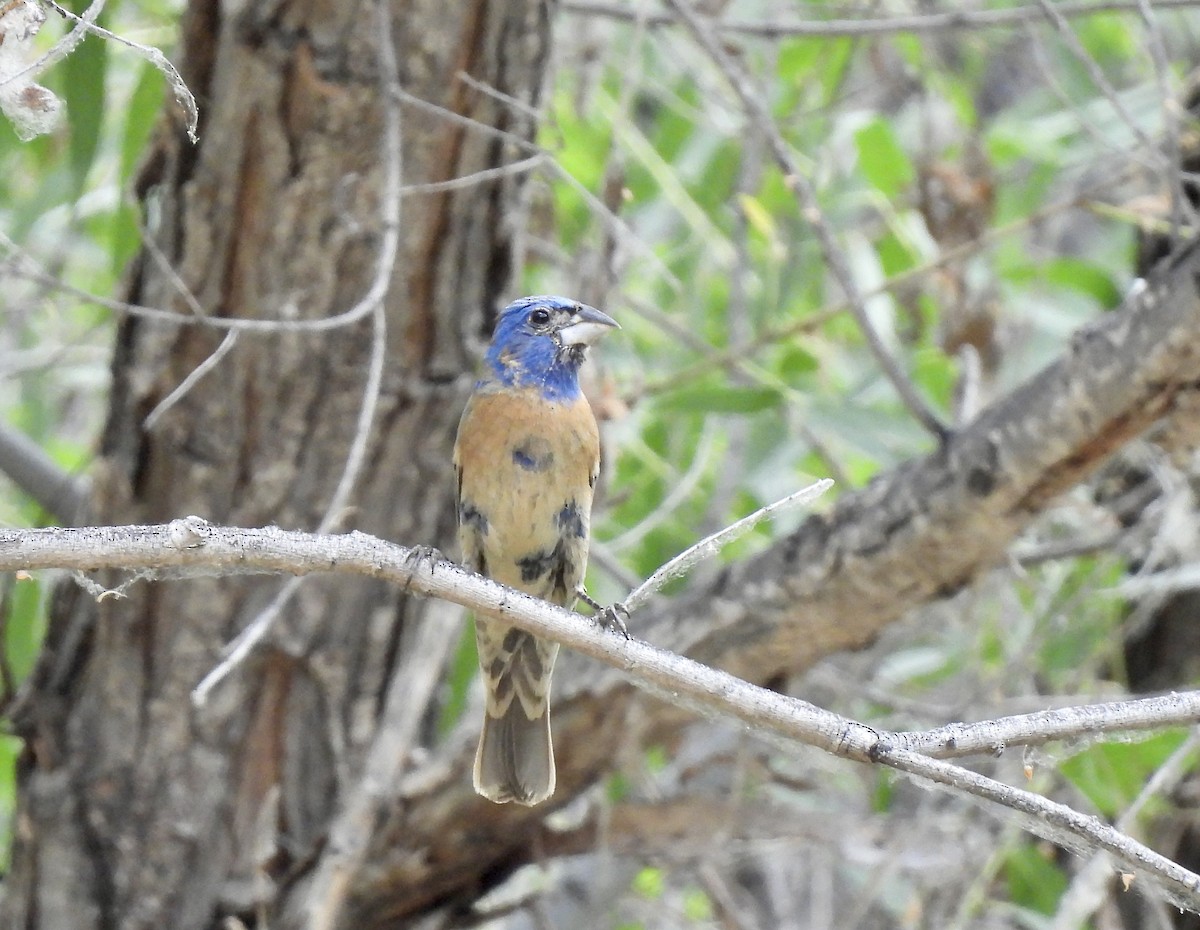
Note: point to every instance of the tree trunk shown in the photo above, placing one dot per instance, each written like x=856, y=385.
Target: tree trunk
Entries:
x=136, y=809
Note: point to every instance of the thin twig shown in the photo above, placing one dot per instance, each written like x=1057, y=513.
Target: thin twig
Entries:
x=475, y=177
x=1102, y=136
x=615, y=226
x=955, y=20
x=167, y=269
x=681, y=488
x=810, y=208
x=86, y=23
x=1095, y=72
x=64, y=46
x=714, y=543
x=1168, y=96
x=773, y=335
x=190, y=381
x=1053, y=821
x=28, y=268
x=1089, y=885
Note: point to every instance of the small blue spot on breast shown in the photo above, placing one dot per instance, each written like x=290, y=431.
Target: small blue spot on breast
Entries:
x=533, y=454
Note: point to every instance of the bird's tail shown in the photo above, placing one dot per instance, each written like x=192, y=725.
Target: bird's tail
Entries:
x=515, y=760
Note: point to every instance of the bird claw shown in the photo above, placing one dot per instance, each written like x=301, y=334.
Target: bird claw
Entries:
x=420, y=554
x=612, y=617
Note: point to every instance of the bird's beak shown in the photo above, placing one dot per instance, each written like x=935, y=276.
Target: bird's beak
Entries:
x=586, y=326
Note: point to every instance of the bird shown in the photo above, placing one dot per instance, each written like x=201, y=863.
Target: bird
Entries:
x=527, y=458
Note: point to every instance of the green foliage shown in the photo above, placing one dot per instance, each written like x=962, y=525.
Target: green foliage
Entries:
x=464, y=669
x=83, y=89
x=1111, y=775
x=649, y=883
x=1034, y=879
x=24, y=627
x=697, y=906
x=882, y=160
x=10, y=750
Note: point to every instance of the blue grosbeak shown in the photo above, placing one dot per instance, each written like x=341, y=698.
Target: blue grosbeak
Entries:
x=527, y=458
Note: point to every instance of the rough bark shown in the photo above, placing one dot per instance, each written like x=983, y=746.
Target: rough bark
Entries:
x=136, y=811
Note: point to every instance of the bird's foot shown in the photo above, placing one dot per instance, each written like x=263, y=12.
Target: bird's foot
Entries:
x=612, y=617
x=422, y=555
x=418, y=555
x=588, y=599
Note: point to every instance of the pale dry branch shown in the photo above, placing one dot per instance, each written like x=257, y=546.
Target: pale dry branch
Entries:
x=193, y=378
x=712, y=544
x=31, y=469
x=190, y=545
x=950, y=21
x=1090, y=884
x=1055, y=822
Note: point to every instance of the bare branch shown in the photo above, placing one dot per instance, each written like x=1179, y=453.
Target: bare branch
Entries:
x=192, y=545
x=191, y=380
x=1055, y=822
x=714, y=543
x=953, y=21
x=39, y=476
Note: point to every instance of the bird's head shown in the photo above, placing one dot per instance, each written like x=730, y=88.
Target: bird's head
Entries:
x=540, y=341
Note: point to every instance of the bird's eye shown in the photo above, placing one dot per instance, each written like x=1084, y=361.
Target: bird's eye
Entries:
x=540, y=317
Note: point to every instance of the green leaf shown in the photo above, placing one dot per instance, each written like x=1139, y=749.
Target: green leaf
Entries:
x=697, y=905
x=935, y=373
x=458, y=681
x=1034, y=879
x=1108, y=39
x=758, y=217
x=881, y=159
x=83, y=89
x=1085, y=277
x=1112, y=774
x=796, y=362
x=10, y=750
x=719, y=399
x=885, y=791
x=144, y=106
x=649, y=883
x=25, y=629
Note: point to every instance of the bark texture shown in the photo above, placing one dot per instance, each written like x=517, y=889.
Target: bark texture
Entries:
x=137, y=811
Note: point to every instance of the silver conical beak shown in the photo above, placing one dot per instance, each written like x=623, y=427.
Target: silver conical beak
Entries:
x=586, y=326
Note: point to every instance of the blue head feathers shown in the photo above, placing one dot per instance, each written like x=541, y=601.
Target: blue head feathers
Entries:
x=540, y=342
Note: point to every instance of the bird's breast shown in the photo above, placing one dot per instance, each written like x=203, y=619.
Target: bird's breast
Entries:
x=527, y=469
